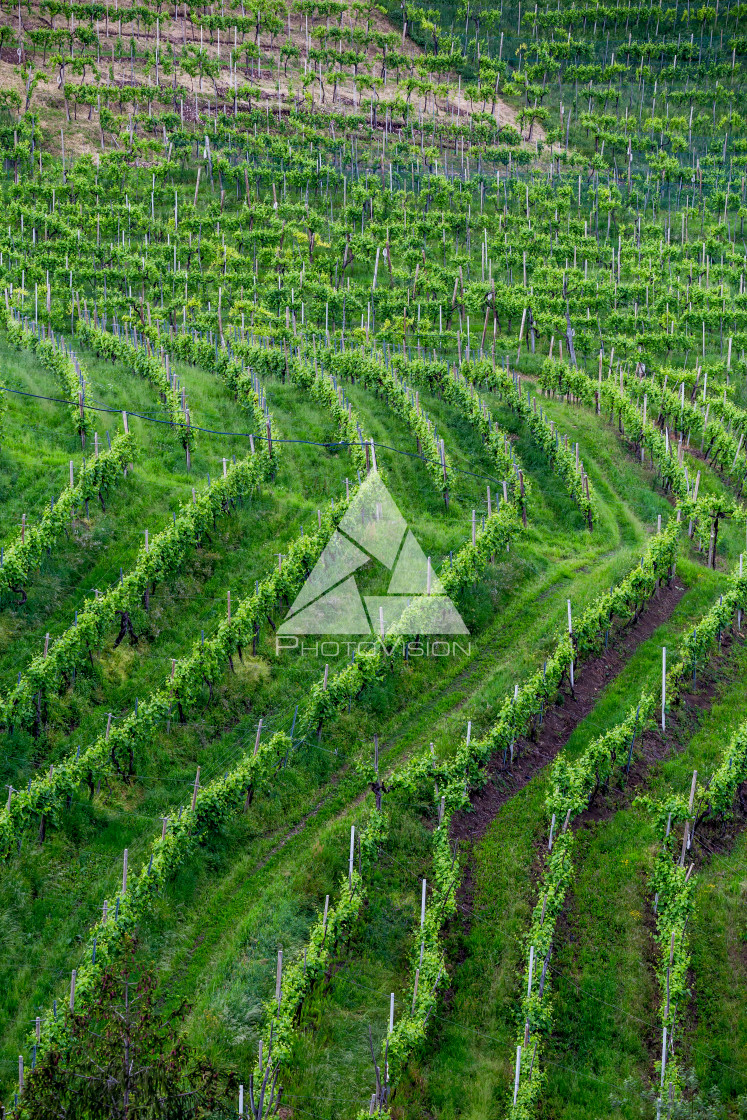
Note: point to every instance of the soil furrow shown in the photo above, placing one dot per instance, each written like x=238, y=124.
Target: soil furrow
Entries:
x=561, y=719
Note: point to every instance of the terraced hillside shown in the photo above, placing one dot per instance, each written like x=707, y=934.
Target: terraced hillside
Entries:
x=373, y=406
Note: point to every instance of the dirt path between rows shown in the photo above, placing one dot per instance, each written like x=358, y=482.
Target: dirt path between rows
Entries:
x=561, y=719
x=711, y=837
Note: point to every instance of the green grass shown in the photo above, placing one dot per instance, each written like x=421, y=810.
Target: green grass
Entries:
x=333, y=1063
x=468, y=1071
x=514, y=611
x=608, y=951
x=259, y=884
x=260, y=880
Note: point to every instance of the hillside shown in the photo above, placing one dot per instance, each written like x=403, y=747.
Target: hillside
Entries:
x=373, y=728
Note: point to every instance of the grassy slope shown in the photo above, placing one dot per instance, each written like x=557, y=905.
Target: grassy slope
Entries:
x=217, y=930
x=515, y=610
x=616, y=856
x=717, y=1029
x=333, y=1062
x=77, y=862
x=604, y=1022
